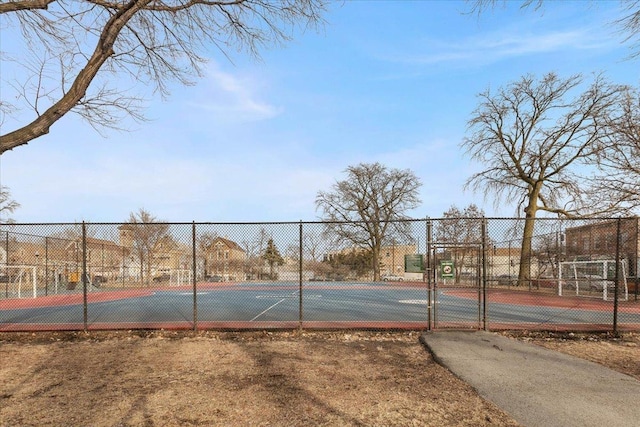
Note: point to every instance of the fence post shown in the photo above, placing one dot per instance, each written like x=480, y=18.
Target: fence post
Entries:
x=123, y=265
x=84, y=276
x=616, y=279
x=194, y=280
x=46, y=266
x=484, y=273
x=636, y=276
x=102, y=272
x=300, y=308
x=429, y=271
x=6, y=251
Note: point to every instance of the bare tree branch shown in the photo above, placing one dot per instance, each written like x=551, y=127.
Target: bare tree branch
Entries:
x=619, y=160
x=15, y=6
x=7, y=205
x=145, y=235
x=82, y=49
x=367, y=207
x=538, y=145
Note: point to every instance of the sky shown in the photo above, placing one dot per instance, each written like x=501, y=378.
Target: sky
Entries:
x=393, y=82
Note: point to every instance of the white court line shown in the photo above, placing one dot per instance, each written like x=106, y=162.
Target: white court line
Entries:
x=286, y=297
x=274, y=296
x=283, y=299
x=417, y=301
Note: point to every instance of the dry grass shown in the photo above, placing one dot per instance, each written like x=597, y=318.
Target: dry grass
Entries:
x=249, y=378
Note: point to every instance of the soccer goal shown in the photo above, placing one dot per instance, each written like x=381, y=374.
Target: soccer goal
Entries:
x=20, y=281
x=591, y=278
x=179, y=277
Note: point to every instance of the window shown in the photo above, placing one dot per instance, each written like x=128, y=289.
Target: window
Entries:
x=598, y=243
x=610, y=242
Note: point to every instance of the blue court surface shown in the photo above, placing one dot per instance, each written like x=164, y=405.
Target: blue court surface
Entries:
x=287, y=305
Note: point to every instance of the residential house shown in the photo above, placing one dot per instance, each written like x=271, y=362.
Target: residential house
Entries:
x=153, y=253
x=106, y=260
x=225, y=258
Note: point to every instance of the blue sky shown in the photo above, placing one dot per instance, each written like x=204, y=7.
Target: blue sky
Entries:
x=383, y=81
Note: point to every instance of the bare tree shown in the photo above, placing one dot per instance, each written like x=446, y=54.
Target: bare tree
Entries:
x=74, y=231
x=74, y=55
x=7, y=205
x=478, y=7
x=536, y=143
x=462, y=231
x=204, y=242
x=312, y=246
x=630, y=25
x=254, y=250
x=549, y=252
x=145, y=234
x=620, y=158
x=366, y=208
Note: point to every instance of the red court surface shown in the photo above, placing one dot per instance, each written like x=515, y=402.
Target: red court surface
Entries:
x=72, y=299
x=547, y=300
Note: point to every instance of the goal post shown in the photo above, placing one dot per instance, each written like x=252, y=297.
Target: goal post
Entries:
x=589, y=278
x=20, y=281
x=178, y=277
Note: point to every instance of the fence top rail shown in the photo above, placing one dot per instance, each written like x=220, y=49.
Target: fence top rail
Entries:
x=456, y=245
x=8, y=227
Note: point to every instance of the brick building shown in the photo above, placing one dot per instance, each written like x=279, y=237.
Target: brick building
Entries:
x=599, y=241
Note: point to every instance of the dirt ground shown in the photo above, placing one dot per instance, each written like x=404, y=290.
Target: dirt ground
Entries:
x=162, y=378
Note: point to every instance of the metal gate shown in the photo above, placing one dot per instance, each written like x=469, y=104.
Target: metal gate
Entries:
x=456, y=278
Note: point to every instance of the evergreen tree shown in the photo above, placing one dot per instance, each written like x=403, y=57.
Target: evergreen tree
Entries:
x=273, y=258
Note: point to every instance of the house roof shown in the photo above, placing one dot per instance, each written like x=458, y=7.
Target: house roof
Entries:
x=228, y=243
x=513, y=251
x=102, y=242
x=93, y=243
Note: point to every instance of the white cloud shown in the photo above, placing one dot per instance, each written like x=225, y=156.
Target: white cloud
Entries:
x=501, y=45
x=233, y=98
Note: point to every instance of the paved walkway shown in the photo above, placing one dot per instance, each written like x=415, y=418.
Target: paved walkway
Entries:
x=536, y=386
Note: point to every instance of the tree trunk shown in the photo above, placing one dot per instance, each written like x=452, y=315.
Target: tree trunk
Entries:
x=524, y=274
x=375, y=252
x=141, y=270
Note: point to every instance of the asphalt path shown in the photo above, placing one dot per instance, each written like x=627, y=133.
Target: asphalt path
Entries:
x=536, y=386
x=264, y=304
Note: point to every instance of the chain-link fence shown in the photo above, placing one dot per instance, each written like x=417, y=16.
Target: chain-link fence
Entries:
x=474, y=273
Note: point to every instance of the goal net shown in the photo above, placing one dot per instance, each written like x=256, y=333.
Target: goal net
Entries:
x=19, y=281
x=592, y=278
